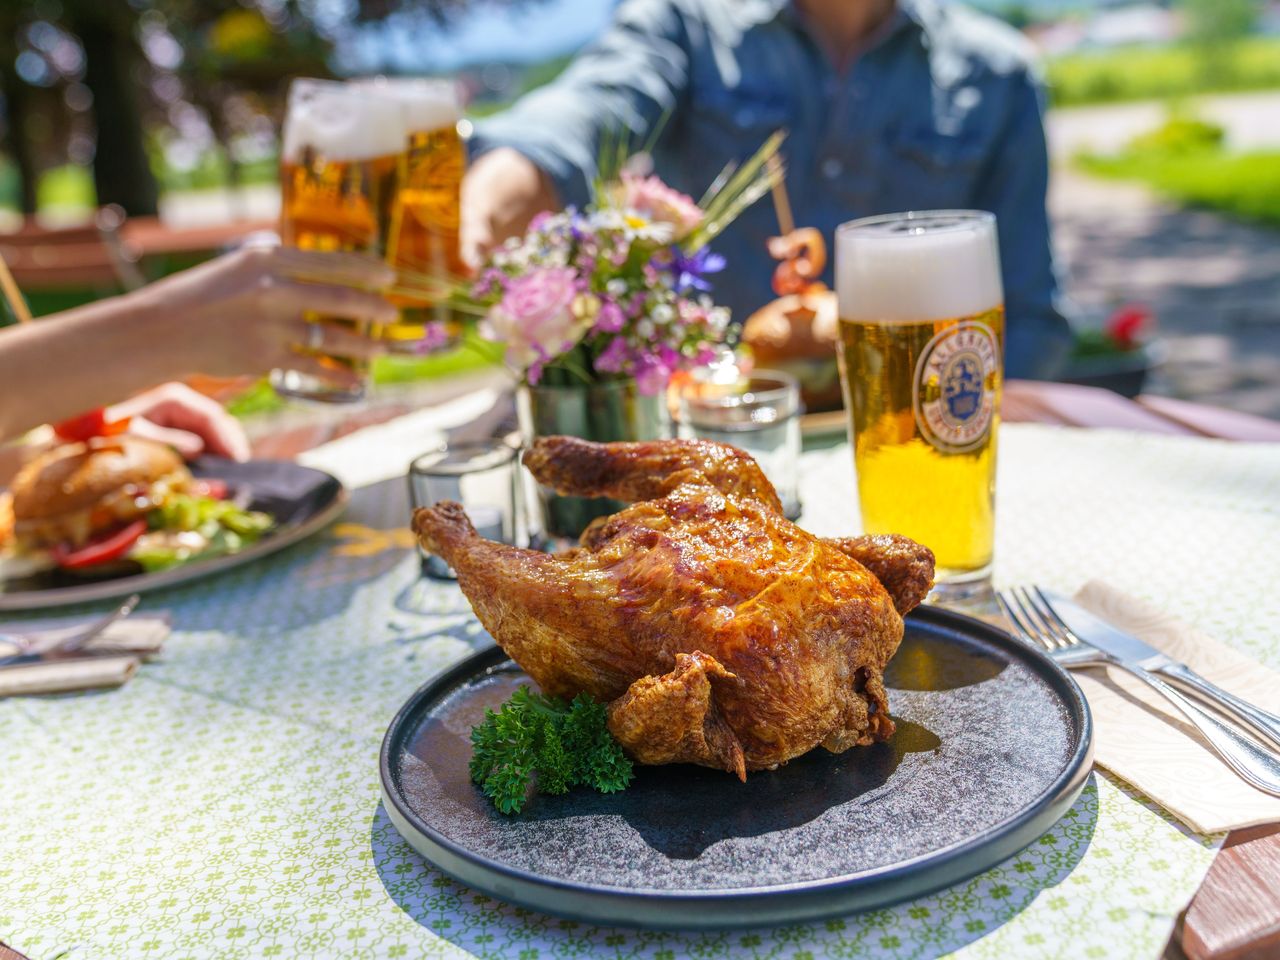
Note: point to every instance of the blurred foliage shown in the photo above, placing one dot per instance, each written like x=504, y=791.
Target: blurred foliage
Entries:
x=207, y=76
x=1185, y=159
x=1181, y=133
x=1213, y=28
x=1143, y=73
x=472, y=354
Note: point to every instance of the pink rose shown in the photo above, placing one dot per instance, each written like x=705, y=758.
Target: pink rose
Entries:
x=535, y=317
x=650, y=196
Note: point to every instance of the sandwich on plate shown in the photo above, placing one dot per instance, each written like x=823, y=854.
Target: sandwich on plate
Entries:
x=111, y=506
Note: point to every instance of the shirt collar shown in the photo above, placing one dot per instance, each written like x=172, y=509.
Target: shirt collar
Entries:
x=916, y=14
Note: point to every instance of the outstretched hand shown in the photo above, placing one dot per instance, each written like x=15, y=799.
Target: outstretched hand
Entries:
x=188, y=421
x=247, y=311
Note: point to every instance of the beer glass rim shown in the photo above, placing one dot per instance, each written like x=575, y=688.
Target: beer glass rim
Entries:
x=952, y=221
x=474, y=456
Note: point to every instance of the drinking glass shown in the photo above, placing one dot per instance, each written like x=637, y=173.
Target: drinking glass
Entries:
x=422, y=233
x=758, y=413
x=482, y=476
x=921, y=364
x=340, y=166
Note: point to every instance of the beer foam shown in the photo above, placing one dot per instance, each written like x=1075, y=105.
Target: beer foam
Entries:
x=341, y=124
x=926, y=267
x=429, y=104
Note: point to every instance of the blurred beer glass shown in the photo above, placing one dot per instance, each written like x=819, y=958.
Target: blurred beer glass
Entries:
x=339, y=169
x=921, y=362
x=422, y=233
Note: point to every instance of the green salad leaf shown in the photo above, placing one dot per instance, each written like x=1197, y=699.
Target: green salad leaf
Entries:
x=226, y=527
x=540, y=744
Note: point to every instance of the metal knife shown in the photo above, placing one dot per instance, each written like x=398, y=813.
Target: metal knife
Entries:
x=1124, y=646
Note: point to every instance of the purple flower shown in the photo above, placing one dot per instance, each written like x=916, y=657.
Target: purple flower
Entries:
x=652, y=375
x=610, y=318
x=435, y=336
x=690, y=271
x=613, y=357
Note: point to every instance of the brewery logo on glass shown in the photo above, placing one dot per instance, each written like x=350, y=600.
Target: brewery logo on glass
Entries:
x=953, y=404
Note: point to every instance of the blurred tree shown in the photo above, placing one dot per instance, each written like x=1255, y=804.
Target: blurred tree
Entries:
x=139, y=62
x=1214, y=26
x=114, y=71
x=17, y=97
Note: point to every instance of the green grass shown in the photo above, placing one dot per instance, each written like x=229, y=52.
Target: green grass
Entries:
x=473, y=354
x=1142, y=73
x=1245, y=185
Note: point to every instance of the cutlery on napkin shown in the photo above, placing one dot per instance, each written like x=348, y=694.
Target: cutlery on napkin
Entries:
x=109, y=660
x=1143, y=740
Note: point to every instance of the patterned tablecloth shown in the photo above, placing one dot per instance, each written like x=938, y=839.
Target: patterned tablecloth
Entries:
x=225, y=803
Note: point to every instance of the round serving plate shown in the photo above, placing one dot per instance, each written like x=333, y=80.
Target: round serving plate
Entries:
x=994, y=743
x=303, y=501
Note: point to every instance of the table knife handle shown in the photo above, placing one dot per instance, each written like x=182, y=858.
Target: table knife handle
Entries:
x=1257, y=766
x=1263, y=723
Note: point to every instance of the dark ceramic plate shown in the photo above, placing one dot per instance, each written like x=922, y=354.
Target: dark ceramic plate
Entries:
x=302, y=500
x=994, y=744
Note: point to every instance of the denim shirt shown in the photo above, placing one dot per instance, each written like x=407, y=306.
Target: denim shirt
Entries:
x=943, y=109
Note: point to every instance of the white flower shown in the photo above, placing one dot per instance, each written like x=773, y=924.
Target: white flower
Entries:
x=616, y=287
x=663, y=313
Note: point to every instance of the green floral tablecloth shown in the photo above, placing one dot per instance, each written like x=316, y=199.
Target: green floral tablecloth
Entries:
x=225, y=803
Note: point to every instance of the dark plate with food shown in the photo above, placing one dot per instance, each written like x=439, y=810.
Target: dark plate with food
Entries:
x=704, y=716
x=112, y=516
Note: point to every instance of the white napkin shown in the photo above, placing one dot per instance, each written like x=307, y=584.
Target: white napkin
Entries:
x=137, y=638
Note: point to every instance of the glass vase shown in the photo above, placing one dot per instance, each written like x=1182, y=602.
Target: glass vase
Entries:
x=604, y=412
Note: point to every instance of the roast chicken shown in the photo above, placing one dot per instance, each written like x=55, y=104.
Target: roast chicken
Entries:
x=718, y=632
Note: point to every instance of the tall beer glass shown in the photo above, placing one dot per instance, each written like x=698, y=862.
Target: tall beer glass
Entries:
x=338, y=175
x=921, y=362
x=422, y=234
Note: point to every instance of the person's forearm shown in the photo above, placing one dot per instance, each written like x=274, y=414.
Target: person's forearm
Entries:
x=65, y=364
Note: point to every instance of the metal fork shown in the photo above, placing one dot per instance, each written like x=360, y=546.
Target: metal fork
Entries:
x=76, y=642
x=1037, y=624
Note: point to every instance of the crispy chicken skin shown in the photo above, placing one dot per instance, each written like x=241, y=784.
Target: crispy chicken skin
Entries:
x=718, y=632
x=904, y=567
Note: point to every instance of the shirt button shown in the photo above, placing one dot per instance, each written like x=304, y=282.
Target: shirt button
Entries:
x=832, y=168
x=745, y=117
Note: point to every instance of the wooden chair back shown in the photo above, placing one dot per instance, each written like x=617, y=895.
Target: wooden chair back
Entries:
x=93, y=255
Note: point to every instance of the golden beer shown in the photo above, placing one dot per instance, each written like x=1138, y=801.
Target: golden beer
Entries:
x=339, y=172
x=921, y=347
x=423, y=226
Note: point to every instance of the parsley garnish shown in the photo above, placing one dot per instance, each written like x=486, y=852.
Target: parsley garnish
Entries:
x=540, y=744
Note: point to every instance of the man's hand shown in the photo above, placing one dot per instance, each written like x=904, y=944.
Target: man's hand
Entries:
x=189, y=422
x=501, y=193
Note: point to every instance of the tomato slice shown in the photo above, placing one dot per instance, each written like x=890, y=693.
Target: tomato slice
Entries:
x=211, y=488
x=111, y=547
x=88, y=425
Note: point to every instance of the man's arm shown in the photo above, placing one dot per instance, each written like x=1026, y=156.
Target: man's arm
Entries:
x=1037, y=337
x=543, y=152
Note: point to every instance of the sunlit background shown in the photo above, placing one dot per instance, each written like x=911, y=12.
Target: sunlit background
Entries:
x=1164, y=130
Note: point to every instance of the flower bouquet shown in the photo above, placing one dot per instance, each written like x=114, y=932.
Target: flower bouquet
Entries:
x=619, y=290
x=595, y=309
